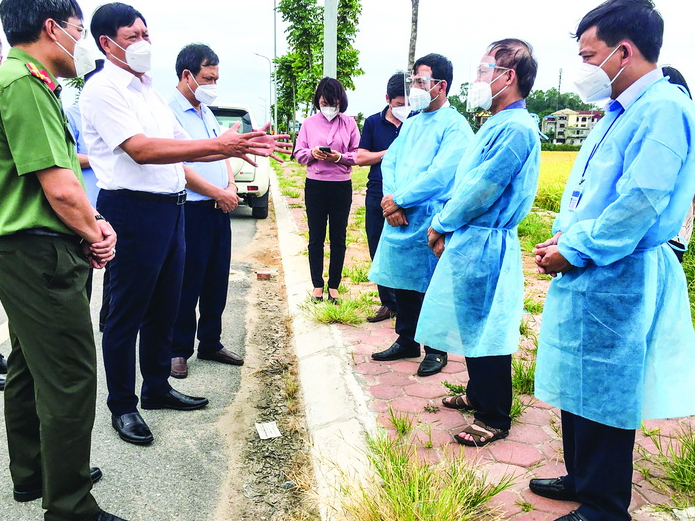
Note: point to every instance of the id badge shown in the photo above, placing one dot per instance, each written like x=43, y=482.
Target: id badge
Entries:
x=574, y=198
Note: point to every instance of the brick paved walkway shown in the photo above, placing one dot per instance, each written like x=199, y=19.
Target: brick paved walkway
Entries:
x=533, y=448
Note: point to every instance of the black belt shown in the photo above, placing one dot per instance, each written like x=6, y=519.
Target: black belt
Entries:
x=207, y=203
x=177, y=198
x=41, y=232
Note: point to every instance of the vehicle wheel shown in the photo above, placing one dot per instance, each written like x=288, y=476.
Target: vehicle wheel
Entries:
x=259, y=207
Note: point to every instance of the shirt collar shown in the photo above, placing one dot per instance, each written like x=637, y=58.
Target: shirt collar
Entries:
x=518, y=104
x=124, y=78
x=629, y=95
x=28, y=58
x=183, y=103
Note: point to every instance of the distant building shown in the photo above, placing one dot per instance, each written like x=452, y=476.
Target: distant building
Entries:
x=569, y=126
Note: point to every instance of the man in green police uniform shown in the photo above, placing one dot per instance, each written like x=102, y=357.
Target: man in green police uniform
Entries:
x=49, y=236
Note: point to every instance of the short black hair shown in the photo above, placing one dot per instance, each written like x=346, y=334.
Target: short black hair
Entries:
x=674, y=76
x=442, y=69
x=516, y=54
x=193, y=57
x=22, y=20
x=634, y=20
x=333, y=92
x=108, y=18
x=396, y=85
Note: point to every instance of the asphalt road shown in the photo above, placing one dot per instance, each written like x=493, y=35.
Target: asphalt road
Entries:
x=180, y=475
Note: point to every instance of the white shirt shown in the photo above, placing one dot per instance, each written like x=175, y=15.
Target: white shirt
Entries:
x=117, y=105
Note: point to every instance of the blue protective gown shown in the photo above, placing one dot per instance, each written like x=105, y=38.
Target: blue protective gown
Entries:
x=419, y=170
x=474, y=303
x=617, y=344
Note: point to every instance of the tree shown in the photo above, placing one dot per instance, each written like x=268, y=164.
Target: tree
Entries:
x=545, y=102
x=299, y=71
x=413, y=33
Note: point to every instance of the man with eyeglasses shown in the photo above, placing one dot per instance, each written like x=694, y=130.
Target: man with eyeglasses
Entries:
x=418, y=173
x=49, y=237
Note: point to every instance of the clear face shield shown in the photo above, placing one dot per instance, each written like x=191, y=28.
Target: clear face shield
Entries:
x=417, y=91
x=479, y=93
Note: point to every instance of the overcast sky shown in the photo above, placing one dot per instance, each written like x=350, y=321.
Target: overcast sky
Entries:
x=458, y=29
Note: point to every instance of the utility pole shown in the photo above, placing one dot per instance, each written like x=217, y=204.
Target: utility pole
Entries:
x=330, y=39
x=559, y=87
x=275, y=65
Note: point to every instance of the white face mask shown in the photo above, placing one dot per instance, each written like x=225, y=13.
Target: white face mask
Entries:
x=138, y=56
x=82, y=55
x=419, y=99
x=330, y=112
x=480, y=95
x=401, y=113
x=592, y=81
x=206, y=94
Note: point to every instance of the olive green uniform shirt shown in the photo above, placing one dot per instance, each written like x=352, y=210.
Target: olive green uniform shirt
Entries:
x=34, y=135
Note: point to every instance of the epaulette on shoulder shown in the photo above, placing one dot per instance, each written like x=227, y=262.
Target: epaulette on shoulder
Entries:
x=41, y=74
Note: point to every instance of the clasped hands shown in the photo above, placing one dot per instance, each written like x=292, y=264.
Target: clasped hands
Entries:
x=98, y=254
x=394, y=214
x=228, y=199
x=549, y=259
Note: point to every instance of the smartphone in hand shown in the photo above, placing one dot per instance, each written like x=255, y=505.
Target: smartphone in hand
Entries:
x=325, y=150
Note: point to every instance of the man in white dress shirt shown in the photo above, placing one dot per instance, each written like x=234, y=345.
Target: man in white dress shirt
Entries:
x=136, y=148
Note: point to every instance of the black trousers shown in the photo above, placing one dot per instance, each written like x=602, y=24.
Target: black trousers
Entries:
x=409, y=305
x=598, y=459
x=327, y=202
x=489, y=389
x=205, y=280
x=374, y=225
x=145, y=279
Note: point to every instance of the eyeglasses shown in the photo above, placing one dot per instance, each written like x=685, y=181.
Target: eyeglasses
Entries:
x=84, y=32
x=420, y=81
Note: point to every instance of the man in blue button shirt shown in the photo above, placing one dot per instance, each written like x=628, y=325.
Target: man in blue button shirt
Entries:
x=379, y=131
x=211, y=195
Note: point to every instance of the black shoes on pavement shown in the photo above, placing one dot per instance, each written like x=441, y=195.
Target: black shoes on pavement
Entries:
x=553, y=488
x=572, y=516
x=30, y=493
x=132, y=428
x=396, y=352
x=433, y=363
x=174, y=400
x=105, y=516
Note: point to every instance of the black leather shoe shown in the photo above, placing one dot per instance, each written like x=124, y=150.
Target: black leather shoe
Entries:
x=433, y=363
x=174, y=400
x=396, y=352
x=2, y=382
x=132, y=428
x=552, y=489
x=24, y=494
x=3, y=365
x=105, y=516
x=572, y=516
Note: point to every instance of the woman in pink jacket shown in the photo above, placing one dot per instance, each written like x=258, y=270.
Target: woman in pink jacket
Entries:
x=327, y=144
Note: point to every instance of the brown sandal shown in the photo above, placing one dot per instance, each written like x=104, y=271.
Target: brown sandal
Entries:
x=482, y=434
x=459, y=402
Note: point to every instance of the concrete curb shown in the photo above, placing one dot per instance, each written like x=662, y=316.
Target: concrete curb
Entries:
x=338, y=418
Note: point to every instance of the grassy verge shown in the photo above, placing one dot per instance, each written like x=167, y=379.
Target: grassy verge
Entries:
x=672, y=468
x=406, y=488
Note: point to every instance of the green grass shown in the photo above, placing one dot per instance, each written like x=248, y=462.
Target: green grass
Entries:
x=360, y=216
x=348, y=312
x=534, y=229
x=359, y=177
x=526, y=330
x=689, y=269
x=523, y=375
x=555, y=170
x=404, y=488
x=403, y=423
x=676, y=461
x=533, y=306
x=291, y=192
x=525, y=506
x=358, y=273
